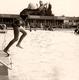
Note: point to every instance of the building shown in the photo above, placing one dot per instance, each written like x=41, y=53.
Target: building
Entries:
x=52, y=21
x=36, y=21
x=7, y=19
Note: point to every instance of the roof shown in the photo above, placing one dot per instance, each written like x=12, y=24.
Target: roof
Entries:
x=52, y=17
x=40, y=17
x=44, y=17
x=9, y=15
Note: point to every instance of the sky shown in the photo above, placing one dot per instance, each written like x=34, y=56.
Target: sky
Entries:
x=59, y=7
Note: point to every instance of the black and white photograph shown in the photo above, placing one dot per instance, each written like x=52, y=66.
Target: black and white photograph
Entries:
x=39, y=40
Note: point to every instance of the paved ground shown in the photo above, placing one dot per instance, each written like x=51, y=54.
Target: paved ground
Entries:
x=47, y=55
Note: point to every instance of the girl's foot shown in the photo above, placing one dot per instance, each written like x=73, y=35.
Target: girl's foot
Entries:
x=19, y=46
x=6, y=53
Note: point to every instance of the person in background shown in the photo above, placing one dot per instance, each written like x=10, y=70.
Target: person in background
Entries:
x=17, y=27
x=41, y=5
x=76, y=31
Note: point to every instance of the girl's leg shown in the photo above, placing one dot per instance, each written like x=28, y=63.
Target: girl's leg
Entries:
x=16, y=35
x=22, y=36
